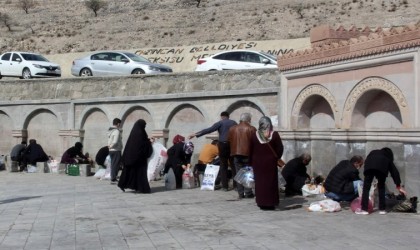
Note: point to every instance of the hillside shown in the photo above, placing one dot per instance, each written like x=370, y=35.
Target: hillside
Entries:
x=62, y=26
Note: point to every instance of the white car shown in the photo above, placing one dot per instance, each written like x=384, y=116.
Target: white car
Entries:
x=27, y=65
x=115, y=63
x=237, y=59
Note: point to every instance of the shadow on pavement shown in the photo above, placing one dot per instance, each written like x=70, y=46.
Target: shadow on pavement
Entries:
x=18, y=199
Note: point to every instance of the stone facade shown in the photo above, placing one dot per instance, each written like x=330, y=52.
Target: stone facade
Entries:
x=354, y=91
x=350, y=93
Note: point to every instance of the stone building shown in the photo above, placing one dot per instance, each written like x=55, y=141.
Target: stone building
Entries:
x=352, y=91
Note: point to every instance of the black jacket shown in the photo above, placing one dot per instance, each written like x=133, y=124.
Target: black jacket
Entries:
x=341, y=177
x=295, y=167
x=379, y=161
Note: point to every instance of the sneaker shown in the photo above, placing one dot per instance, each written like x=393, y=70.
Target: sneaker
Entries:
x=361, y=212
x=249, y=196
x=382, y=212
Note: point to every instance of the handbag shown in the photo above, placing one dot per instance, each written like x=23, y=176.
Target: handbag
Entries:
x=280, y=162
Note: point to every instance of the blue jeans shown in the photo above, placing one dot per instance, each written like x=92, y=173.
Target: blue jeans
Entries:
x=115, y=164
x=345, y=197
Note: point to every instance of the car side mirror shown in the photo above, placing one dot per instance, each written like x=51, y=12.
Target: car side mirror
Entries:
x=18, y=59
x=266, y=61
x=124, y=60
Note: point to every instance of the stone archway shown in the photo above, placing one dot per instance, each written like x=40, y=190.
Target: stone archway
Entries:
x=316, y=107
x=95, y=126
x=131, y=116
x=371, y=96
x=43, y=126
x=245, y=106
x=6, y=134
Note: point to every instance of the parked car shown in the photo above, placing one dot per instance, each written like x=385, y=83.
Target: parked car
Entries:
x=237, y=59
x=114, y=63
x=27, y=65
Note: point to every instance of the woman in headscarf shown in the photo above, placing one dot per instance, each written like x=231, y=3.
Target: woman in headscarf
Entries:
x=265, y=149
x=179, y=158
x=136, y=152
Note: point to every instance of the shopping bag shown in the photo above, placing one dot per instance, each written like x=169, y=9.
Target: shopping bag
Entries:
x=156, y=161
x=210, y=175
x=188, y=179
x=53, y=166
x=170, y=182
x=32, y=169
x=312, y=190
x=245, y=177
x=282, y=181
x=73, y=170
x=356, y=204
x=324, y=206
x=107, y=164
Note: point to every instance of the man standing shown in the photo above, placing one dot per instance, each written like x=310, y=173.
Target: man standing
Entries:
x=115, y=147
x=294, y=173
x=222, y=127
x=378, y=164
x=239, y=138
x=342, y=181
x=17, y=154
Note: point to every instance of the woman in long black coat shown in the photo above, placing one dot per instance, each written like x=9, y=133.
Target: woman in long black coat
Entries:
x=136, y=152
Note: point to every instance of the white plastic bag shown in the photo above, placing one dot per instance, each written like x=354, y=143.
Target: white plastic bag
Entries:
x=324, y=206
x=170, y=182
x=210, y=177
x=188, y=179
x=282, y=181
x=53, y=166
x=245, y=177
x=107, y=164
x=100, y=173
x=312, y=190
x=32, y=169
x=156, y=161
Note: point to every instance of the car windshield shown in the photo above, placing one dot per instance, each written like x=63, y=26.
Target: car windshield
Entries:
x=136, y=58
x=269, y=56
x=33, y=57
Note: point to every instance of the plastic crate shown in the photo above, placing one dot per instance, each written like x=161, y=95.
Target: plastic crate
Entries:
x=73, y=170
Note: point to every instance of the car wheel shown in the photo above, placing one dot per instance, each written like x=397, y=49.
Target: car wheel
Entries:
x=85, y=72
x=138, y=72
x=26, y=74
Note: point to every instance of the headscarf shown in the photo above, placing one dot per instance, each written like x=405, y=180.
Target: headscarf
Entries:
x=178, y=139
x=265, y=125
x=188, y=148
x=138, y=146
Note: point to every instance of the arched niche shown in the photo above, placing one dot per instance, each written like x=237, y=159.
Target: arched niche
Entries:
x=131, y=116
x=184, y=120
x=376, y=109
x=6, y=127
x=95, y=125
x=314, y=107
x=375, y=103
x=245, y=106
x=43, y=126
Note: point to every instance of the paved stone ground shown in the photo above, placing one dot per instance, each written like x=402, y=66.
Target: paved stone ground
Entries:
x=48, y=211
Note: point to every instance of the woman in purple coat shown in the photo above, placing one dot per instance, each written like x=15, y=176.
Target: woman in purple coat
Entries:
x=265, y=149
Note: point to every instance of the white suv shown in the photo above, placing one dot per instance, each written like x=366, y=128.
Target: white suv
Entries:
x=27, y=65
x=237, y=59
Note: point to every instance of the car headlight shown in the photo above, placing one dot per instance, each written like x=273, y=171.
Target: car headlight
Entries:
x=153, y=68
x=37, y=66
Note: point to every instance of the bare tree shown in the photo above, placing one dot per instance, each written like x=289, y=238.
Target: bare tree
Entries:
x=6, y=20
x=95, y=5
x=26, y=5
